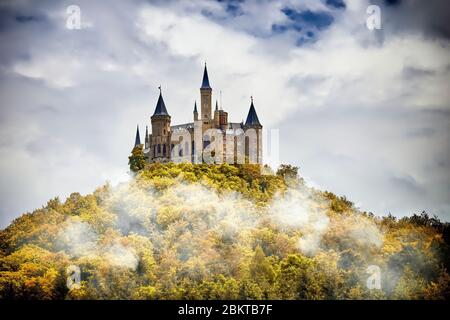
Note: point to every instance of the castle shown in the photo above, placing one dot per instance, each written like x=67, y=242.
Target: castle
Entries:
x=210, y=138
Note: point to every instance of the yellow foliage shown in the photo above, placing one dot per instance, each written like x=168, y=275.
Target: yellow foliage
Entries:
x=185, y=231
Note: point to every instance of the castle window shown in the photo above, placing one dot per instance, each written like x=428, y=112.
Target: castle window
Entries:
x=164, y=150
x=159, y=149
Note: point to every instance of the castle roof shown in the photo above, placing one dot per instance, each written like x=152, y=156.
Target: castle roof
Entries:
x=195, y=107
x=190, y=125
x=252, y=117
x=137, y=141
x=205, y=82
x=160, y=106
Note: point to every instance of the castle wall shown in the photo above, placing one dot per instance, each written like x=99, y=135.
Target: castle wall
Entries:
x=236, y=145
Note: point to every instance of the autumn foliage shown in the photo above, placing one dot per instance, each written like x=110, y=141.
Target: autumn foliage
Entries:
x=184, y=231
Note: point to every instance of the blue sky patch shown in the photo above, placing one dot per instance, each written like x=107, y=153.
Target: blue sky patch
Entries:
x=337, y=4
x=319, y=19
x=305, y=23
x=392, y=2
x=27, y=18
x=233, y=7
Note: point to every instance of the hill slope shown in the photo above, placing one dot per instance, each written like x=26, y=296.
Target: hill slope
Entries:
x=220, y=232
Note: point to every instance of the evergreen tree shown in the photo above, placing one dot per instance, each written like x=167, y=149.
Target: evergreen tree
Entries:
x=137, y=159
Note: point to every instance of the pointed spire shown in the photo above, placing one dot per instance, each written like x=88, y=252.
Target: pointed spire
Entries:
x=195, y=107
x=137, y=141
x=160, y=105
x=146, y=137
x=252, y=117
x=205, y=82
x=217, y=106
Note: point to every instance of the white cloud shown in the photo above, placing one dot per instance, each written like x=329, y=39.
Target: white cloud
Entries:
x=363, y=113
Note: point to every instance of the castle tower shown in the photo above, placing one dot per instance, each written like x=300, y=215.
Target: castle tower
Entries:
x=252, y=123
x=216, y=115
x=147, y=142
x=158, y=146
x=205, y=100
x=137, y=140
x=195, y=111
x=160, y=138
x=252, y=117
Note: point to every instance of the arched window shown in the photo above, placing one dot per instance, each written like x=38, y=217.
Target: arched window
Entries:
x=159, y=149
x=164, y=150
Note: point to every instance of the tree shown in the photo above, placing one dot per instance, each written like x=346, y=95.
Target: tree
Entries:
x=261, y=271
x=299, y=279
x=288, y=173
x=199, y=231
x=137, y=159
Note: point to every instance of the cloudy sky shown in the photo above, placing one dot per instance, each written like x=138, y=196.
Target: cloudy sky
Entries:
x=363, y=113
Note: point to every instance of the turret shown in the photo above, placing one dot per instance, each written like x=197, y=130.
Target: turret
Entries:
x=253, y=131
x=147, y=142
x=223, y=119
x=137, y=140
x=216, y=115
x=160, y=129
x=252, y=117
x=195, y=111
x=205, y=98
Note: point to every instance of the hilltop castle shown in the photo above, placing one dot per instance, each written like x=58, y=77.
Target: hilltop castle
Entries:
x=210, y=138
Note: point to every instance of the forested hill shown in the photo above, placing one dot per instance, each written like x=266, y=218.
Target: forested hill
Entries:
x=220, y=232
